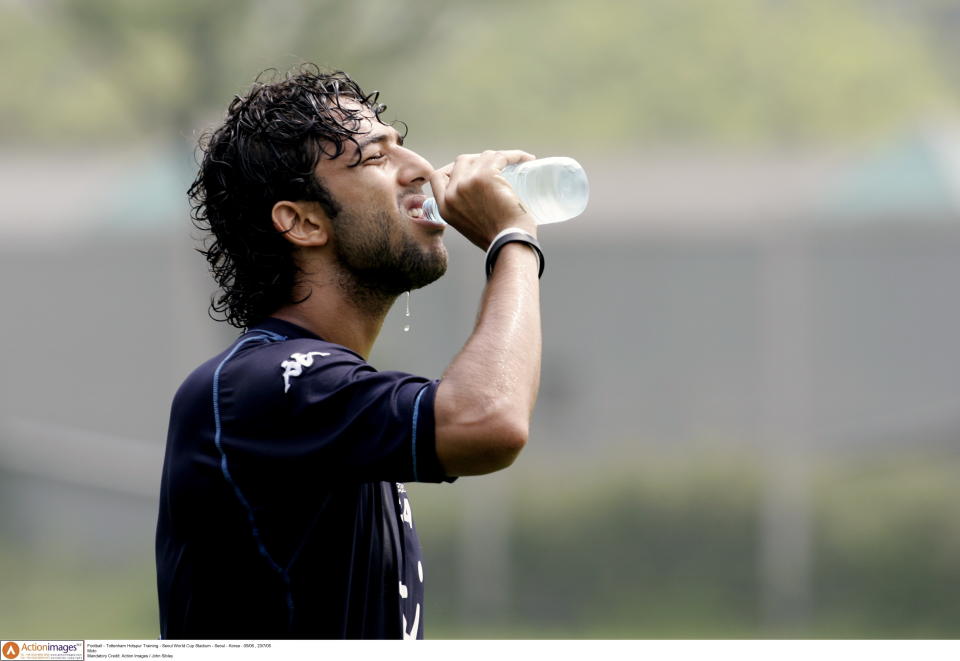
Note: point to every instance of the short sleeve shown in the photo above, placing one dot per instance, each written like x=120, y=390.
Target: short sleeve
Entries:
x=320, y=410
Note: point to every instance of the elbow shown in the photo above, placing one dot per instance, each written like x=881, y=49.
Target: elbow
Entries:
x=484, y=448
x=510, y=439
x=476, y=436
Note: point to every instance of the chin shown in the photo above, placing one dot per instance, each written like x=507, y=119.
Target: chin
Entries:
x=429, y=273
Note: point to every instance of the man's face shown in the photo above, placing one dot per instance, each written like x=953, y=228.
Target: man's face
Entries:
x=381, y=240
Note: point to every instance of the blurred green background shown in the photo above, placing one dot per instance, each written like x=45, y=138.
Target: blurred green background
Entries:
x=749, y=421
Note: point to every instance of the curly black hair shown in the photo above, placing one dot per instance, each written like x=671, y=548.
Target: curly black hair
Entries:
x=265, y=151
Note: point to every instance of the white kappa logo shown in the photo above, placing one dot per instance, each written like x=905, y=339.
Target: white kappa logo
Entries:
x=294, y=366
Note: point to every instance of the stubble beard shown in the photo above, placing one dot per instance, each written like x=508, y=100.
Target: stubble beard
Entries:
x=373, y=271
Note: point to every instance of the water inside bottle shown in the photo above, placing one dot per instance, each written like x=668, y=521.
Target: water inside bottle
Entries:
x=555, y=189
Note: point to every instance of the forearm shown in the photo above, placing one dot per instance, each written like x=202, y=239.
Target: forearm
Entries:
x=486, y=398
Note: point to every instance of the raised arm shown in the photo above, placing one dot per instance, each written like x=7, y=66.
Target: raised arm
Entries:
x=486, y=398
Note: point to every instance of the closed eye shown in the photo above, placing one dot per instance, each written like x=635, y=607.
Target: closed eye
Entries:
x=374, y=158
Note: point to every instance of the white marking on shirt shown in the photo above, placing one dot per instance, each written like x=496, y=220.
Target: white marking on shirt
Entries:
x=416, y=625
x=294, y=366
x=407, y=513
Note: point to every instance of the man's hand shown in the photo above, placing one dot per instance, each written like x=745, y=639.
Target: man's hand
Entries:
x=476, y=200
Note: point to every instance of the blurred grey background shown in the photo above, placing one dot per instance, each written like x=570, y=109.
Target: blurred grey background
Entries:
x=749, y=419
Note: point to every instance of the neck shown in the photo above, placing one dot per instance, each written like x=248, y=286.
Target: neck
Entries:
x=346, y=315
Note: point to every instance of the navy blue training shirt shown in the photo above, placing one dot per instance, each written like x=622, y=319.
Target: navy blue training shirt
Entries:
x=283, y=512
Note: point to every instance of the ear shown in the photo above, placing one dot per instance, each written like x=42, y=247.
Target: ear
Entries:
x=301, y=223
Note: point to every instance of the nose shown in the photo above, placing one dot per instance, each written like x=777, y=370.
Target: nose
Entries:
x=415, y=169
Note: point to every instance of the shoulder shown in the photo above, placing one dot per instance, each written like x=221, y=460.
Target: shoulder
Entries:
x=282, y=361
x=260, y=375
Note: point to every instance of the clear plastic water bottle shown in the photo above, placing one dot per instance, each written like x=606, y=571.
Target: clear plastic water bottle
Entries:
x=552, y=189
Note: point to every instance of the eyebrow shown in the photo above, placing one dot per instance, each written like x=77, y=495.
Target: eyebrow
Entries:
x=378, y=138
x=361, y=144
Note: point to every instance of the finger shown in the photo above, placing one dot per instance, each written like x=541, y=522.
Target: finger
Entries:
x=463, y=168
x=458, y=164
x=464, y=163
x=438, y=183
x=447, y=176
x=504, y=157
x=446, y=168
